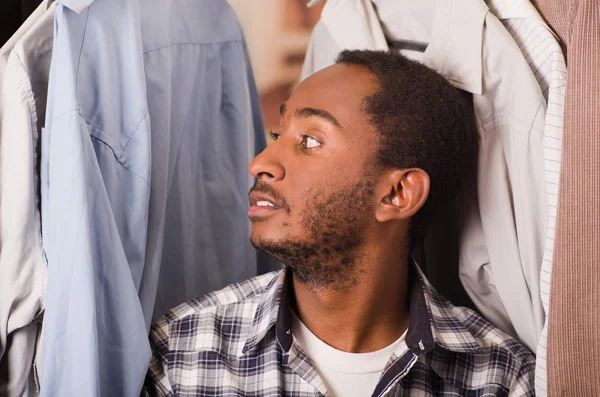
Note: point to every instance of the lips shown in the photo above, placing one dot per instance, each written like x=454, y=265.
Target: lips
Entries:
x=259, y=199
x=261, y=204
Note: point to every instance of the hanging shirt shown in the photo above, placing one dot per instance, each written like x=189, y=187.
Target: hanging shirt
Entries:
x=240, y=342
x=344, y=374
x=504, y=222
x=152, y=118
x=546, y=60
x=22, y=262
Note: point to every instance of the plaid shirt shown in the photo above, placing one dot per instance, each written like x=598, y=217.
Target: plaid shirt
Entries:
x=238, y=342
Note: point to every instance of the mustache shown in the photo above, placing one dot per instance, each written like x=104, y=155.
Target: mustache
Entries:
x=261, y=187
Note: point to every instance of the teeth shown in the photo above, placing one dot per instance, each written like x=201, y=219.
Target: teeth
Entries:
x=264, y=204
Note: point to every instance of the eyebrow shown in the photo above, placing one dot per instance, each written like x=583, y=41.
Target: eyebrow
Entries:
x=312, y=112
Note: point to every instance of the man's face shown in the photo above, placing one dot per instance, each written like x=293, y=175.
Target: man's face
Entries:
x=313, y=201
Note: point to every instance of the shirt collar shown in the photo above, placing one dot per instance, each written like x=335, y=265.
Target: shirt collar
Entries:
x=433, y=320
x=268, y=311
x=517, y=9
x=446, y=328
x=76, y=5
x=456, y=47
x=513, y=9
x=274, y=310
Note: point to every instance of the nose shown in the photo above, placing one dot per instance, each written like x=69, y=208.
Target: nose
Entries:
x=267, y=165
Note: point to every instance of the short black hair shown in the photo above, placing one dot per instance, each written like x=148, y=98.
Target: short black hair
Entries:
x=423, y=122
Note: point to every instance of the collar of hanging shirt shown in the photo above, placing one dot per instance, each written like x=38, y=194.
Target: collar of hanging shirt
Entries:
x=76, y=5
x=455, y=49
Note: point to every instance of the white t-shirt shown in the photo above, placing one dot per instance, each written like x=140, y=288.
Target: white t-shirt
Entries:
x=345, y=374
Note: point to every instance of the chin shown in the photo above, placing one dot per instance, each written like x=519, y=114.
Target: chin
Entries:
x=259, y=232
x=267, y=230
x=269, y=235
x=271, y=240
x=258, y=238
x=260, y=244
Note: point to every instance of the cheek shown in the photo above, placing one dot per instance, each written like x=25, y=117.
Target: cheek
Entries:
x=310, y=178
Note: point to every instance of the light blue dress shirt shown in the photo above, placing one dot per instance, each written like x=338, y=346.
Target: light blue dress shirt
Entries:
x=152, y=118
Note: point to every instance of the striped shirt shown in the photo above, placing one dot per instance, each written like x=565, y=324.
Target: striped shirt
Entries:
x=238, y=342
x=542, y=51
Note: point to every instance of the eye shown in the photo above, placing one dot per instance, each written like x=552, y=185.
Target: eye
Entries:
x=309, y=142
x=274, y=135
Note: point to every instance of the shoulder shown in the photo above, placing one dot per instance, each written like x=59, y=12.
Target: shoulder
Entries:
x=490, y=337
x=234, y=294
x=219, y=321
x=484, y=354
x=500, y=360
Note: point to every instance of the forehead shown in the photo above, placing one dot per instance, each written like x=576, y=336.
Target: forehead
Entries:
x=339, y=89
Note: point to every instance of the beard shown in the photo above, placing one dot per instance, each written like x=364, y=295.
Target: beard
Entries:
x=335, y=226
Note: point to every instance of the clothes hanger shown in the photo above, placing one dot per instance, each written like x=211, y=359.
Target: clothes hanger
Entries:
x=407, y=45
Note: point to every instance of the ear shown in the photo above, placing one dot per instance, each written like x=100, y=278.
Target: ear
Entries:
x=402, y=193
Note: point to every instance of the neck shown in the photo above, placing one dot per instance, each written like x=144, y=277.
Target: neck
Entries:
x=367, y=315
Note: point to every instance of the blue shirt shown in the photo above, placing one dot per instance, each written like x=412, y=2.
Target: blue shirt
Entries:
x=151, y=121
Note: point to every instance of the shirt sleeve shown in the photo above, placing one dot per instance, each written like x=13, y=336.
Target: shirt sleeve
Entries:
x=22, y=265
x=524, y=383
x=157, y=380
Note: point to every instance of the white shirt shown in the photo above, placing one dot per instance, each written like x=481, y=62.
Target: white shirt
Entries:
x=503, y=233
x=23, y=269
x=545, y=57
x=344, y=374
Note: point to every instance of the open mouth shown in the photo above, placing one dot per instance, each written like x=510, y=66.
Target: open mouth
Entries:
x=261, y=205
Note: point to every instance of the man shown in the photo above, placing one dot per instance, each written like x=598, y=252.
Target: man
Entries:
x=367, y=150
